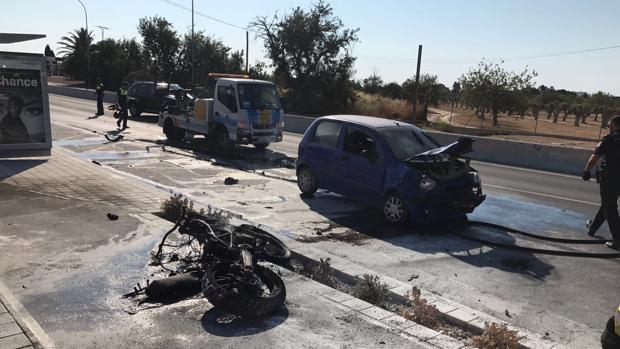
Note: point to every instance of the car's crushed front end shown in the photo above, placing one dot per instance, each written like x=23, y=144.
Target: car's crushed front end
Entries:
x=447, y=186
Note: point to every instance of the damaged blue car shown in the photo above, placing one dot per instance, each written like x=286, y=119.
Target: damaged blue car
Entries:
x=390, y=165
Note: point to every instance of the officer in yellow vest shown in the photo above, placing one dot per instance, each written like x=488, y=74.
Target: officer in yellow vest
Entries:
x=123, y=91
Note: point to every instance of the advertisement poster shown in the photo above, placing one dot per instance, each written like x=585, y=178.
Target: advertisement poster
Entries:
x=24, y=110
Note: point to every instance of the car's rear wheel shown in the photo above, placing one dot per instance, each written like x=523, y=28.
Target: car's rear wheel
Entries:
x=172, y=132
x=394, y=209
x=306, y=181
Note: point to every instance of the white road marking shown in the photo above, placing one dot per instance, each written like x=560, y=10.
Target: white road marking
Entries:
x=540, y=194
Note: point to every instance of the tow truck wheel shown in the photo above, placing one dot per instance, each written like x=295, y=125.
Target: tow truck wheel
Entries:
x=306, y=181
x=261, y=146
x=394, y=209
x=173, y=133
x=221, y=138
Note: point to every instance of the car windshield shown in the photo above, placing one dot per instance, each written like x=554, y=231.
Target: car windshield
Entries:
x=406, y=142
x=258, y=96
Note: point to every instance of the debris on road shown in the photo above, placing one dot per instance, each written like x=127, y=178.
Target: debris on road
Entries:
x=113, y=138
x=507, y=313
x=96, y=162
x=112, y=216
x=231, y=181
x=413, y=276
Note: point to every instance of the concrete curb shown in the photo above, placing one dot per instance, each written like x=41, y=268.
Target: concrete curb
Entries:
x=30, y=327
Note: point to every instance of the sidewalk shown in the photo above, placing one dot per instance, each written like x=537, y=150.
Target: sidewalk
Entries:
x=71, y=280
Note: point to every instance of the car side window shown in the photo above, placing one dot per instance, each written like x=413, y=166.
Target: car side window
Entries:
x=361, y=143
x=226, y=95
x=327, y=133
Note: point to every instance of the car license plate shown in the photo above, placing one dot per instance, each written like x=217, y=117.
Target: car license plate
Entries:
x=263, y=139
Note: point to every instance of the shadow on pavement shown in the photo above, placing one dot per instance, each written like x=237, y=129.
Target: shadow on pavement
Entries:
x=12, y=167
x=213, y=324
x=431, y=239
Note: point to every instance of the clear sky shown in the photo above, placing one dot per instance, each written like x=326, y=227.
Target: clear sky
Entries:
x=456, y=34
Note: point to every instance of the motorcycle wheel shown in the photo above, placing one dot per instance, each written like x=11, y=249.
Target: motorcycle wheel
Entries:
x=226, y=287
x=267, y=246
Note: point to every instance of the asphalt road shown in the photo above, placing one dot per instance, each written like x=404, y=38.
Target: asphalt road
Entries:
x=558, y=190
x=567, y=297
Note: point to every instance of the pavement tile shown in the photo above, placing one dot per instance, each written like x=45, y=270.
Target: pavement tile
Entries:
x=377, y=313
x=9, y=330
x=6, y=318
x=421, y=332
x=337, y=296
x=401, y=290
x=390, y=281
x=465, y=315
x=15, y=341
x=356, y=304
x=3, y=309
x=398, y=322
x=443, y=307
x=446, y=342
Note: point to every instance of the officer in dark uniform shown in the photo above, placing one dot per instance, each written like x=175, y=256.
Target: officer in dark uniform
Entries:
x=609, y=150
x=122, y=102
x=99, y=93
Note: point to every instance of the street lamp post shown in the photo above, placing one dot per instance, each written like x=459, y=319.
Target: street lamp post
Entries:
x=87, y=45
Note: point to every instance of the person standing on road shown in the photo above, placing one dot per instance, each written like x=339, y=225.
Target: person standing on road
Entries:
x=99, y=94
x=609, y=150
x=122, y=102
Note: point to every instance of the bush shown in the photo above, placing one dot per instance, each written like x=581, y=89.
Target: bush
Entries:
x=323, y=273
x=496, y=336
x=369, y=289
x=418, y=310
x=172, y=208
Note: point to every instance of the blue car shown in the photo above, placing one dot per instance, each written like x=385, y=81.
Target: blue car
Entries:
x=390, y=165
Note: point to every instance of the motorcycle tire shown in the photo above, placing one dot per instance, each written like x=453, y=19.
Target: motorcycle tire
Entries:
x=274, y=251
x=222, y=294
x=609, y=338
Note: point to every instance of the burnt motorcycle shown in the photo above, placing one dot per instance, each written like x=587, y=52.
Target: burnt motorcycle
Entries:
x=228, y=259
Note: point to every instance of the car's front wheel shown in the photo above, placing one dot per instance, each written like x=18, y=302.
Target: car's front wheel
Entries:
x=394, y=209
x=134, y=111
x=306, y=181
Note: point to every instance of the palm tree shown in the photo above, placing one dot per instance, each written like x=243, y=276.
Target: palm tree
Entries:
x=75, y=49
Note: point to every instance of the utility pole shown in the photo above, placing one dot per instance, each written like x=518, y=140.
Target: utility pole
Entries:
x=102, y=29
x=193, y=44
x=87, y=45
x=417, y=83
x=247, y=52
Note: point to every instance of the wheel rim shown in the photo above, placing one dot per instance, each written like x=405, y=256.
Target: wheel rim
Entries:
x=394, y=209
x=306, y=182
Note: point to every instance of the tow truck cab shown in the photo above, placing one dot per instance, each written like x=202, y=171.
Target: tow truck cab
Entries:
x=242, y=111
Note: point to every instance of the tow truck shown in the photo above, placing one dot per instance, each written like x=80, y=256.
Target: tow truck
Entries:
x=242, y=111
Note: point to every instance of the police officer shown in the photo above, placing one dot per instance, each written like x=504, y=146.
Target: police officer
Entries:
x=609, y=150
x=122, y=102
x=99, y=93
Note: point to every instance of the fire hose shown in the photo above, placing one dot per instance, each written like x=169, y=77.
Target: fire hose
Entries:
x=456, y=229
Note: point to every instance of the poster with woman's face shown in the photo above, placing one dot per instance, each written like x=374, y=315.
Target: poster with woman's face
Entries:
x=21, y=107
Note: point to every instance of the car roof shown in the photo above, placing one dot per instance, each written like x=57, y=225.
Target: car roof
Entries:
x=368, y=121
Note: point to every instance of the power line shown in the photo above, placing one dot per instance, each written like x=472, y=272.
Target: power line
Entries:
x=176, y=4
x=465, y=61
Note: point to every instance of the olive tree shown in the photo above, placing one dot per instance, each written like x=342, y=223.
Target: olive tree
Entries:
x=310, y=53
x=491, y=87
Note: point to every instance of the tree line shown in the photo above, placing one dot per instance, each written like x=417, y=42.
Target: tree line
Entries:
x=311, y=62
